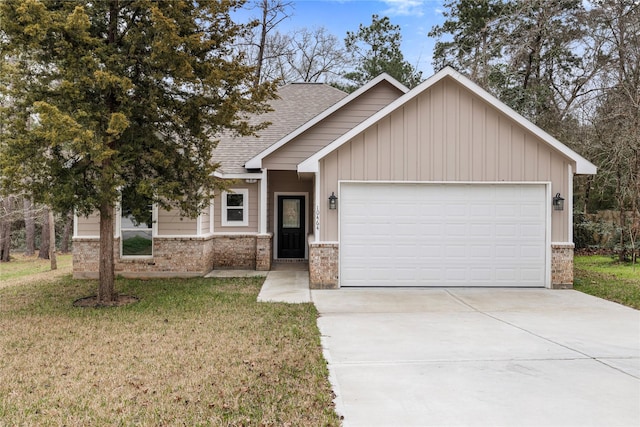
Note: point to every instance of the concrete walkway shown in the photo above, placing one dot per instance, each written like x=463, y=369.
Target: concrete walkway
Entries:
x=480, y=357
x=288, y=284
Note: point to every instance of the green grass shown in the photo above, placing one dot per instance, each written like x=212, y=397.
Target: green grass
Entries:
x=21, y=266
x=605, y=277
x=190, y=352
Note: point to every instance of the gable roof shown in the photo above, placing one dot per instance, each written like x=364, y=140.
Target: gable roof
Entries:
x=256, y=162
x=583, y=166
x=297, y=103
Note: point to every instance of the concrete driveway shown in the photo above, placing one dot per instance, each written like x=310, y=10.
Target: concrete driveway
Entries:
x=483, y=357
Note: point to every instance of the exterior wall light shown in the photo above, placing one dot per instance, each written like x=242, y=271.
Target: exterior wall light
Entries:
x=558, y=203
x=333, y=201
x=250, y=180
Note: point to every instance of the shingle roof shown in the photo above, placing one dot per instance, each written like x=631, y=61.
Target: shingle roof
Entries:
x=297, y=104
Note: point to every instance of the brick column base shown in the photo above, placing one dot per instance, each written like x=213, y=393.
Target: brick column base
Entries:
x=323, y=265
x=263, y=252
x=562, y=265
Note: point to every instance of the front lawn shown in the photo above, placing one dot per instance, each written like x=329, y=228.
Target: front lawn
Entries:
x=21, y=266
x=191, y=352
x=605, y=277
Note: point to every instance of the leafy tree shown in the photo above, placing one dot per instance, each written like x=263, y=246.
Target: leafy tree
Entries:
x=124, y=94
x=376, y=50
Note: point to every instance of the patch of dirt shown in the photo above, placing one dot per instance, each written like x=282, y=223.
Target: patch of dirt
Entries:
x=92, y=301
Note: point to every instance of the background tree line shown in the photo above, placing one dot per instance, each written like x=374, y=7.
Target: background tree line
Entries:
x=25, y=227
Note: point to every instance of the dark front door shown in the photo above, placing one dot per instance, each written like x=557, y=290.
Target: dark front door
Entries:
x=291, y=236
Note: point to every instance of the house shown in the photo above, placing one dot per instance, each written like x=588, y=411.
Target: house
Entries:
x=442, y=185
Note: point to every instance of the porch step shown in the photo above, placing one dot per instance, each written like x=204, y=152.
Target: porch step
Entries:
x=236, y=273
x=290, y=266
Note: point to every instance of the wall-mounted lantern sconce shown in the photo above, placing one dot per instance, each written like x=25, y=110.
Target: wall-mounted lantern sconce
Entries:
x=333, y=200
x=558, y=203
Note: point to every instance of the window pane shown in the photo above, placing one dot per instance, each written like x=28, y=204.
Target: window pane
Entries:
x=291, y=213
x=235, y=200
x=235, y=214
x=137, y=242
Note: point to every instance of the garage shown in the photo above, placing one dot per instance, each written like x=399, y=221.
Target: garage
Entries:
x=444, y=234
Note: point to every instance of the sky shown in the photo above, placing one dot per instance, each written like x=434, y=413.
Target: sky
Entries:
x=415, y=18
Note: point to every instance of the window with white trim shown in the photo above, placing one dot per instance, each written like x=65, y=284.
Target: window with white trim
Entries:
x=136, y=225
x=235, y=208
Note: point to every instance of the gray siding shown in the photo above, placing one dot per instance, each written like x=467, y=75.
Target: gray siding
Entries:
x=205, y=218
x=88, y=226
x=170, y=223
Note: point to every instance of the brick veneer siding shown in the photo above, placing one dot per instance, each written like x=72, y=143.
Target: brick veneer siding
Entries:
x=178, y=256
x=243, y=251
x=237, y=251
x=86, y=256
x=263, y=252
x=323, y=265
x=562, y=265
x=172, y=257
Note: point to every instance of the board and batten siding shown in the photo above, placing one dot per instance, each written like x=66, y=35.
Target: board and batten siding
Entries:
x=254, y=202
x=326, y=131
x=445, y=134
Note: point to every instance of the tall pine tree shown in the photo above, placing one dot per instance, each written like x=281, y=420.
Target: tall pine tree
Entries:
x=375, y=50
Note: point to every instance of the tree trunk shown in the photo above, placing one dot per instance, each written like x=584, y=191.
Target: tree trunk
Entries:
x=30, y=228
x=263, y=41
x=52, y=241
x=6, y=210
x=43, y=253
x=106, y=285
x=66, y=233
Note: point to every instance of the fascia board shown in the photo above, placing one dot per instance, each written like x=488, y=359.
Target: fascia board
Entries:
x=248, y=175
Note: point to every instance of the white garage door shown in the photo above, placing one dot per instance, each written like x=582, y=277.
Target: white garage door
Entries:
x=397, y=234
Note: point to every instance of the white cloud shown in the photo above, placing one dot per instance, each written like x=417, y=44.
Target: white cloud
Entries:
x=404, y=7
